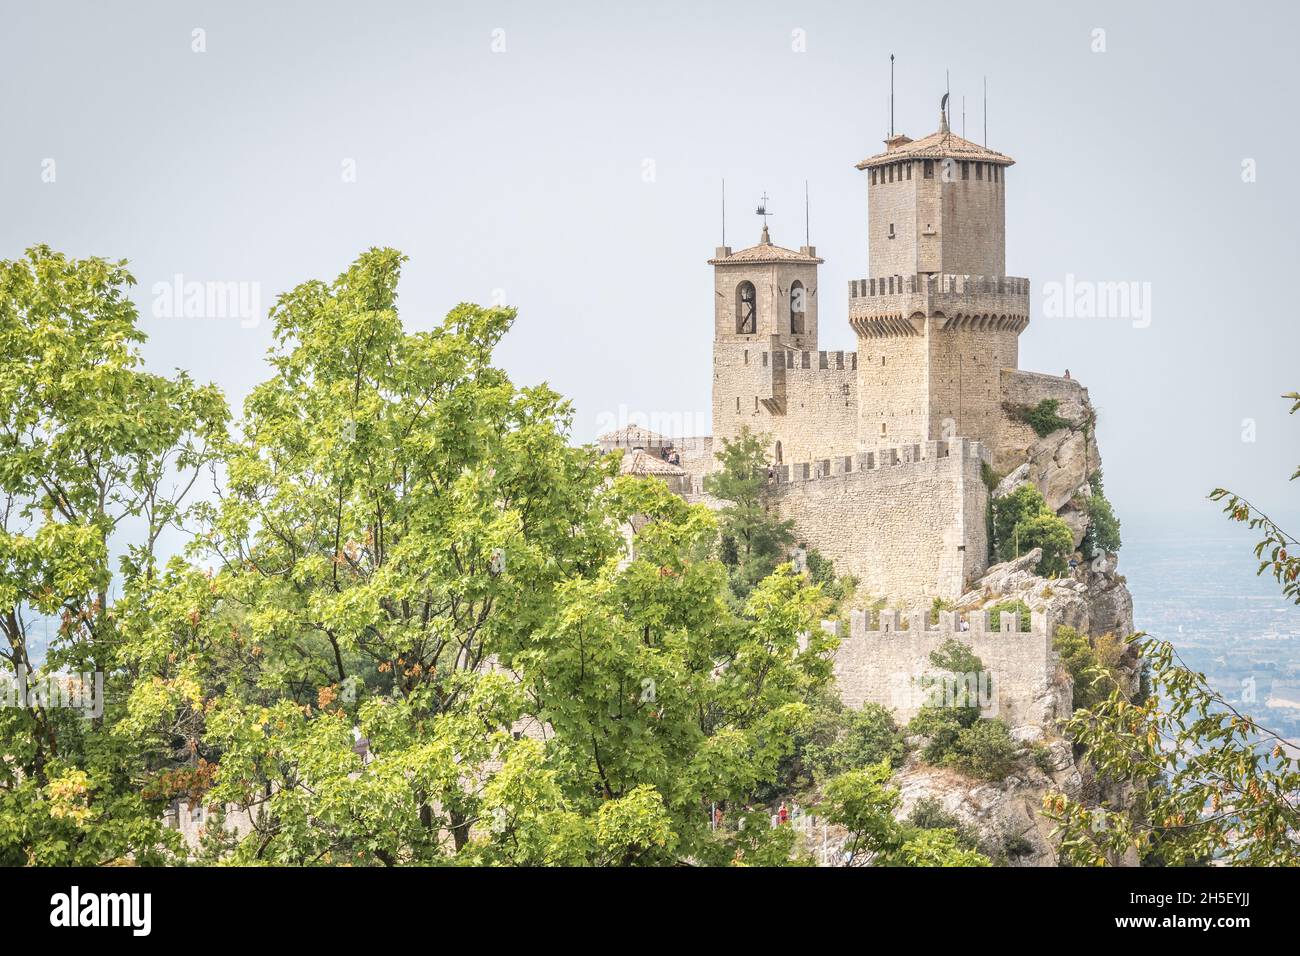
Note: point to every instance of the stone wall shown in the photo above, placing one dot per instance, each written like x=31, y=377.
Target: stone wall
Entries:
x=193, y=821
x=966, y=365
x=931, y=350
x=805, y=402
x=909, y=523
x=893, y=389
x=948, y=222
x=889, y=665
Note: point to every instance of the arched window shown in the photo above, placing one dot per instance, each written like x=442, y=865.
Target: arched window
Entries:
x=798, y=306
x=746, y=309
x=778, y=453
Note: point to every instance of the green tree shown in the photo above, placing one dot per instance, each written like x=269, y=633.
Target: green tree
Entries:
x=755, y=539
x=863, y=803
x=1044, y=418
x=1208, y=782
x=957, y=737
x=1022, y=521
x=865, y=736
x=1102, y=535
x=96, y=457
x=1094, y=667
x=934, y=847
x=409, y=550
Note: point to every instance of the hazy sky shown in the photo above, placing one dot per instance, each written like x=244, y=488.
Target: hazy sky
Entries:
x=575, y=173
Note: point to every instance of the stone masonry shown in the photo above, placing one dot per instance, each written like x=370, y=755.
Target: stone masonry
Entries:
x=890, y=664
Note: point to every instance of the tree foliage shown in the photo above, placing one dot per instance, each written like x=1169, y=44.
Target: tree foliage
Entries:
x=1022, y=521
x=1102, y=534
x=755, y=539
x=406, y=630
x=94, y=453
x=1208, y=782
x=863, y=803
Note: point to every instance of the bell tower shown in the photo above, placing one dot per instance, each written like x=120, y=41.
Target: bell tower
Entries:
x=764, y=308
x=765, y=291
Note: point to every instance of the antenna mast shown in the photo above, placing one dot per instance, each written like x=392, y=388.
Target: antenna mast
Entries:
x=986, y=111
x=891, y=96
x=724, y=211
x=807, y=229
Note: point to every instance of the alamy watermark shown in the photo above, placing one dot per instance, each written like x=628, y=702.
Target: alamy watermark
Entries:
x=179, y=299
x=1085, y=299
x=83, y=692
x=974, y=689
x=668, y=424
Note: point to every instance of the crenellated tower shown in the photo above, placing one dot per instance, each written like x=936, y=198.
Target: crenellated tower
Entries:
x=938, y=318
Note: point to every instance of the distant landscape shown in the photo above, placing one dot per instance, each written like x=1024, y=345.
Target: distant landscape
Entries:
x=1193, y=582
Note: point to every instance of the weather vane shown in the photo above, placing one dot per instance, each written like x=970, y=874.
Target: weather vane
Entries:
x=762, y=208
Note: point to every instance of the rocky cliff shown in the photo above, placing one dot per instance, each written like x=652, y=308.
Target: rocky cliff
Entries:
x=1094, y=599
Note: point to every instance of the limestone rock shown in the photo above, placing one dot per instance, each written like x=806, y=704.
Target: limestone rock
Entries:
x=1077, y=521
x=1094, y=599
x=1018, y=477
x=1004, y=814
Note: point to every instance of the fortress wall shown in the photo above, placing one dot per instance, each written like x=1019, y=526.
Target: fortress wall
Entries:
x=805, y=400
x=741, y=381
x=821, y=406
x=886, y=665
x=909, y=523
x=696, y=455
x=966, y=366
x=893, y=397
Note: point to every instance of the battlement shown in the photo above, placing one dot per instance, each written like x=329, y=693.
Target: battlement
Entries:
x=916, y=624
x=890, y=665
x=937, y=285
x=893, y=306
x=881, y=458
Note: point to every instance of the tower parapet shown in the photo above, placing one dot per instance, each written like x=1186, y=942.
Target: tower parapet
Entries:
x=898, y=305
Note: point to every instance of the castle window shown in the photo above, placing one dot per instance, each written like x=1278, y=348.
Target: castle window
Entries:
x=798, y=307
x=746, y=356
x=908, y=167
x=882, y=428
x=737, y=404
x=929, y=169
x=979, y=170
x=965, y=169
x=778, y=453
x=873, y=177
x=891, y=230
x=746, y=309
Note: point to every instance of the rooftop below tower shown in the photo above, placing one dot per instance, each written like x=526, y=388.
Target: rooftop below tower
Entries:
x=763, y=253
x=940, y=144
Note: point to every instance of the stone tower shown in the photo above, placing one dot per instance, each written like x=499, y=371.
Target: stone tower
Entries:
x=938, y=318
x=765, y=310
